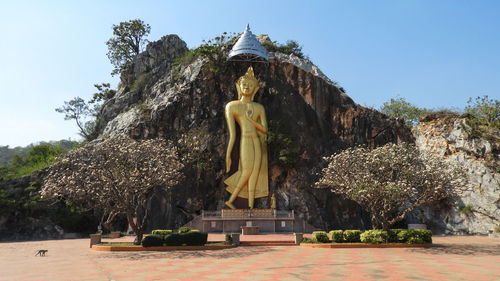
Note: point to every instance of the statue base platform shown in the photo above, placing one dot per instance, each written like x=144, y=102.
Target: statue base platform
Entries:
x=233, y=220
x=243, y=213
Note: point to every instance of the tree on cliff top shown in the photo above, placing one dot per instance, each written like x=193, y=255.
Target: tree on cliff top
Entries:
x=116, y=175
x=484, y=112
x=390, y=181
x=399, y=108
x=127, y=42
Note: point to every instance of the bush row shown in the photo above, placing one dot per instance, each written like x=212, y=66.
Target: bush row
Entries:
x=416, y=236
x=193, y=238
x=161, y=232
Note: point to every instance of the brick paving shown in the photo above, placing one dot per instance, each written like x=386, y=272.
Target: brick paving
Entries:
x=452, y=258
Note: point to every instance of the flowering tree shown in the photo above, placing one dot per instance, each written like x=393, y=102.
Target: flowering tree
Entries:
x=390, y=181
x=116, y=175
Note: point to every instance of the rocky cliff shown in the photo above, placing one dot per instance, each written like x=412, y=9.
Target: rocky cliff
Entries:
x=476, y=211
x=309, y=115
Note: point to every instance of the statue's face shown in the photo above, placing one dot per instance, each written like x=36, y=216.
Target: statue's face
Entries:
x=247, y=87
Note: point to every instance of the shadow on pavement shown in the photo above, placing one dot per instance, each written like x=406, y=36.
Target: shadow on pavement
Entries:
x=218, y=254
x=462, y=249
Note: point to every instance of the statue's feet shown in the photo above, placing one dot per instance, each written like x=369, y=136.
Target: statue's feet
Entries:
x=230, y=205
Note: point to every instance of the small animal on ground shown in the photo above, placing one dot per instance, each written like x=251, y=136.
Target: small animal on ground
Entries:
x=41, y=253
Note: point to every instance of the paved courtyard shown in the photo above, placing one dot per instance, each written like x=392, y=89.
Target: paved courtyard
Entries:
x=452, y=258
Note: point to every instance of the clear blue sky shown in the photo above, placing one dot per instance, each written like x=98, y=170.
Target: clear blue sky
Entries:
x=432, y=53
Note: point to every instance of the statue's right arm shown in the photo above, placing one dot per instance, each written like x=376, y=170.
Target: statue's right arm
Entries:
x=232, y=135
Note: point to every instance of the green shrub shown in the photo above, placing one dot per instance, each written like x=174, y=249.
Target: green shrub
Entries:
x=320, y=236
x=415, y=240
x=484, y=113
x=161, y=232
x=139, y=83
x=184, y=229
x=194, y=238
x=291, y=47
x=152, y=240
x=229, y=240
x=374, y=236
x=352, y=236
x=173, y=239
x=424, y=234
x=393, y=235
x=337, y=236
x=398, y=107
x=416, y=236
x=404, y=235
x=307, y=240
x=281, y=145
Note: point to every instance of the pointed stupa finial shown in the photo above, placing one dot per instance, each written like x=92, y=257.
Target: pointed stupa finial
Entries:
x=248, y=48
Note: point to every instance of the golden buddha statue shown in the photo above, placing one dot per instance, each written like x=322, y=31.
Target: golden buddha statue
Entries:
x=250, y=181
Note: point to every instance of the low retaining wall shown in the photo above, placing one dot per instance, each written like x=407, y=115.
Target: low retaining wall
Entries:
x=363, y=245
x=159, y=248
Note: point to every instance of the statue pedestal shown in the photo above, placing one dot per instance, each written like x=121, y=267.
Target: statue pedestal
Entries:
x=249, y=230
x=244, y=213
x=233, y=220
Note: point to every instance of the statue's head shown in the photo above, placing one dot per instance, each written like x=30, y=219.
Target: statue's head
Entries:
x=247, y=85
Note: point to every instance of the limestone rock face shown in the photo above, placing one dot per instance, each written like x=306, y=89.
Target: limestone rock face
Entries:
x=313, y=113
x=477, y=211
x=148, y=66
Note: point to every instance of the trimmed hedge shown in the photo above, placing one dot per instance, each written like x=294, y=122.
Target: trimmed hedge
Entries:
x=184, y=229
x=228, y=240
x=393, y=235
x=193, y=238
x=374, y=236
x=320, y=236
x=352, y=236
x=415, y=236
x=161, y=232
x=152, y=240
x=337, y=236
x=307, y=240
x=173, y=239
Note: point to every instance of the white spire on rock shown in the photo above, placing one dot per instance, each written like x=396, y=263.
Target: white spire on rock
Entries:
x=248, y=48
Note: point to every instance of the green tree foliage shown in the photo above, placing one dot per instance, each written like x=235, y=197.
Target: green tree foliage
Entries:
x=280, y=145
x=37, y=157
x=7, y=154
x=23, y=203
x=104, y=93
x=484, y=112
x=86, y=114
x=399, y=108
x=210, y=49
x=77, y=109
x=291, y=47
x=127, y=42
